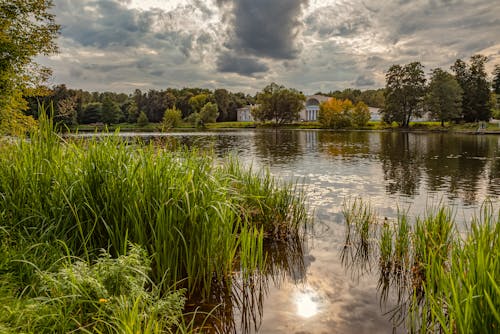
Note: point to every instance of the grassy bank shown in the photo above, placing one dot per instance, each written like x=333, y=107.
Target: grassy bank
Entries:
x=171, y=224
x=372, y=125
x=445, y=280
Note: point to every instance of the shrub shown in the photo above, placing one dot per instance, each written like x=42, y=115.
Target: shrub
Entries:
x=334, y=113
x=142, y=120
x=171, y=118
x=360, y=114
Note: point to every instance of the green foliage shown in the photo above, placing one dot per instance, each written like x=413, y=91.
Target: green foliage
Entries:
x=445, y=278
x=12, y=122
x=110, y=112
x=495, y=113
x=278, y=104
x=404, y=93
x=496, y=79
x=195, y=120
x=209, y=113
x=197, y=102
x=142, y=120
x=171, y=118
x=91, y=113
x=444, y=97
x=475, y=87
x=27, y=30
x=187, y=211
x=109, y=296
x=360, y=114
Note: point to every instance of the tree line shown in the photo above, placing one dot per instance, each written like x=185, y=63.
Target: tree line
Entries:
x=76, y=106
x=461, y=96
x=195, y=105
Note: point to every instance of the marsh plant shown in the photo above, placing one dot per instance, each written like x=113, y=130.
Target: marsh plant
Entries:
x=198, y=220
x=445, y=279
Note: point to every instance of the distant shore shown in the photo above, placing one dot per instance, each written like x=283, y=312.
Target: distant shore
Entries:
x=469, y=128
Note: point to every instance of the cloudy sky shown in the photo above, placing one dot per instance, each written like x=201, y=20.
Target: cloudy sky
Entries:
x=242, y=45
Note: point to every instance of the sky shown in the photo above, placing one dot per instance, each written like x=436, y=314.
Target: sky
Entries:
x=243, y=45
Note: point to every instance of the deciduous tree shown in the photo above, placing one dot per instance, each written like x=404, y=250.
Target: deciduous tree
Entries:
x=404, y=93
x=444, y=97
x=209, y=113
x=334, y=113
x=171, y=118
x=111, y=112
x=278, y=104
x=27, y=30
x=476, y=90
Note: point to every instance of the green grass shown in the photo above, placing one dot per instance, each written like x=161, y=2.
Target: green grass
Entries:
x=198, y=220
x=445, y=280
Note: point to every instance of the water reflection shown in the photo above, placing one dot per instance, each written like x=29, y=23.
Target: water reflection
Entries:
x=306, y=301
x=275, y=146
x=401, y=158
x=238, y=307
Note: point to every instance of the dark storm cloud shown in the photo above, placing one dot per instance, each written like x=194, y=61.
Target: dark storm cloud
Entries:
x=241, y=65
x=265, y=28
x=103, y=23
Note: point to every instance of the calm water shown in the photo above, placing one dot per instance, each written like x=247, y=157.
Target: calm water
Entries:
x=309, y=290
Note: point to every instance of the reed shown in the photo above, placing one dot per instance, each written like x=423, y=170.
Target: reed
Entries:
x=199, y=220
x=446, y=280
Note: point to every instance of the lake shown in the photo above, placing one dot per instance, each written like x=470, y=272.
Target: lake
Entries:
x=310, y=289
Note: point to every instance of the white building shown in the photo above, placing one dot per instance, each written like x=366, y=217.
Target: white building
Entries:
x=375, y=114
x=310, y=112
x=244, y=114
x=311, y=107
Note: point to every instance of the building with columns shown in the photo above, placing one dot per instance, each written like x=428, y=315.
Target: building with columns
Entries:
x=309, y=113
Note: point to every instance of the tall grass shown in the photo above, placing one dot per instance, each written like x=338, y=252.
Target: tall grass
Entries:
x=199, y=220
x=445, y=280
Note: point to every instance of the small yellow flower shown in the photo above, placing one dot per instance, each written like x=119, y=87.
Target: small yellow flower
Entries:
x=103, y=300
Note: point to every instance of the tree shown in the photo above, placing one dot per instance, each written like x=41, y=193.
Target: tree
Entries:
x=171, y=118
x=223, y=101
x=404, y=93
x=142, y=120
x=66, y=111
x=496, y=79
x=91, y=113
x=278, y=104
x=475, y=87
x=197, y=102
x=334, y=113
x=110, y=112
x=360, y=114
x=27, y=30
x=496, y=86
x=209, y=113
x=444, y=96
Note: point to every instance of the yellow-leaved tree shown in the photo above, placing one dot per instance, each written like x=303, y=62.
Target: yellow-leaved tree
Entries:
x=335, y=114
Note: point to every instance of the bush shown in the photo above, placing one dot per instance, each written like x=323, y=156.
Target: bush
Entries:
x=496, y=113
x=360, y=115
x=171, y=118
x=334, y=113
x=108, y=296
x=142, y=120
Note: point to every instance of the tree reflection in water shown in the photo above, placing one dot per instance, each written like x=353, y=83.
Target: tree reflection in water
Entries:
x=236, y=305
